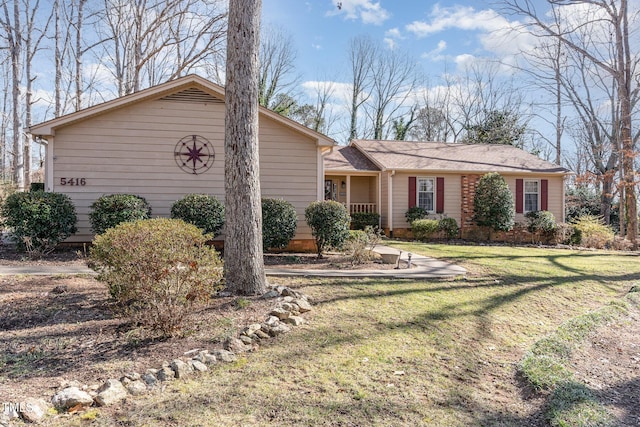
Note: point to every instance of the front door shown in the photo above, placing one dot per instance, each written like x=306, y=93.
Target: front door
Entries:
x=330, y=190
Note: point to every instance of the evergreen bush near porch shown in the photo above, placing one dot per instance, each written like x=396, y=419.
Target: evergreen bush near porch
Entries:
x=38, y=220
x=493, y=203
x=329, y=223
x=202, y=210
x=113, y=209
x=279, y=222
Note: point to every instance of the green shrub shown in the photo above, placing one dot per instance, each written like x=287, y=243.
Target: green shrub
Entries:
x=360, y=220
x=36, y=186
x=204, y=211
x=493, y=203
x=158, y=270
x=449, y=227
x=39, y=221
x=593, y=233
x=279, y=222
x=110, y=210
x=424, y=229
x=414, y=213
x=329, y=223
x=541, y=224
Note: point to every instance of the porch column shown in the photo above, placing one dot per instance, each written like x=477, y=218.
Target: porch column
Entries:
x=349, y=194
x=379, y=199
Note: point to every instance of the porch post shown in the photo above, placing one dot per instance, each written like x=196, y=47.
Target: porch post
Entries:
x=349, y=194
x=379, y=199
x=390, y=202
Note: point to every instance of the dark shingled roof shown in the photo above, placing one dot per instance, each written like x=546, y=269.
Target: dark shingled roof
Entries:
x=435, y=156
x=348, y=159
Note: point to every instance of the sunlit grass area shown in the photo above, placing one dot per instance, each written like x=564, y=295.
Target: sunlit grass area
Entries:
x=400, y=352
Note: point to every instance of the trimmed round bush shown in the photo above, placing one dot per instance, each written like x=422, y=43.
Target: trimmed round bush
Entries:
x=202, y=210
x=493, y=203
x=424, y=229
x=279, y=222
x=113, y=209
x=362, y=220
x=38, y=221
x=329, y=223
x=414, y=213
x=158, y=270
x=449, y=227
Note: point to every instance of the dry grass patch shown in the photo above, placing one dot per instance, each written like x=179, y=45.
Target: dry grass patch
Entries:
x=395, y=353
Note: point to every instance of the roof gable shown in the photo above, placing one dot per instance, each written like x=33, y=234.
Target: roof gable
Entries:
x=432, y=156
x=191, y=88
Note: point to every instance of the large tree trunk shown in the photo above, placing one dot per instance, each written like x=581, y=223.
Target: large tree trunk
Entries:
x=628, y=152
x=244, y=266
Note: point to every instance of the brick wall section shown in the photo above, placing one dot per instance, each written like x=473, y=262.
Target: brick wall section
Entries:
x=468, y=191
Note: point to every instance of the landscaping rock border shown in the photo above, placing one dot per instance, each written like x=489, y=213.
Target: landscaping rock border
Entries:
x=73, y=396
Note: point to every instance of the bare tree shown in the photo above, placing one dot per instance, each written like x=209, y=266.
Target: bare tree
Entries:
x=277, y=67
x=611, y=19
x=243, y=259
x=151, y=42
x=362, y=52
x=12, y=25
x=393, y=80
x=34, y=33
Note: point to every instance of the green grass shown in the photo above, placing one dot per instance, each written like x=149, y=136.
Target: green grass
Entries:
x=399, y=352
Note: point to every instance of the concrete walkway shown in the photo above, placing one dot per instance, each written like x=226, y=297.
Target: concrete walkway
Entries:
x=424, y=268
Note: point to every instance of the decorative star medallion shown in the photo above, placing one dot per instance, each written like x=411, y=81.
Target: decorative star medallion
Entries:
x=194, y=154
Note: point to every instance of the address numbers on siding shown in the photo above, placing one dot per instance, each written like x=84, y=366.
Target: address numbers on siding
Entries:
x=73, y=181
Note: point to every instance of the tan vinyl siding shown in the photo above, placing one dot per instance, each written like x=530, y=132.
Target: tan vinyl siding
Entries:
x=362, y=190
x=130, y=150
x=401, y=196
x=555, y=195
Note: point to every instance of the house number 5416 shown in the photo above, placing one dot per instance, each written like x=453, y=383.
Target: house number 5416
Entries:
x=73, y=181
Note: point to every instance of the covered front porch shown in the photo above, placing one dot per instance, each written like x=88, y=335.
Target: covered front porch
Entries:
x=358, y=192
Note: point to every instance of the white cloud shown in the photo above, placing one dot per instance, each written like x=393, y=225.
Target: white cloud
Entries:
x=368, y=11
x=393, y=33
x=390, y=43
x=436, y=54
x=338, y=90
x=496, y=33
x=465, y=18
x=464, y=61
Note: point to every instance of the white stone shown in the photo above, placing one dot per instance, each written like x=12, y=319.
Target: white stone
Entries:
x=137, y=387
x=34, y=410
x=303, y=305
x=181, y=368
x=198, y=366
x=111, y=392
x=294, y=320
x=70, y=397
x=225, y=356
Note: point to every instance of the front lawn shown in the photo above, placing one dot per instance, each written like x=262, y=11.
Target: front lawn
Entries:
x=400, y=352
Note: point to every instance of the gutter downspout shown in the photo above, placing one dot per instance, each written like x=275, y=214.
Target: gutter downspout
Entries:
x=390, y=202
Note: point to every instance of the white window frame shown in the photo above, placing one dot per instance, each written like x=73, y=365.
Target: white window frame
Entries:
x=433, y=192
x=525, y=193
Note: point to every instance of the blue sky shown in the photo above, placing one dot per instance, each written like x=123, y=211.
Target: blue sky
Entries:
x=443, y=37
x=440, y=35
